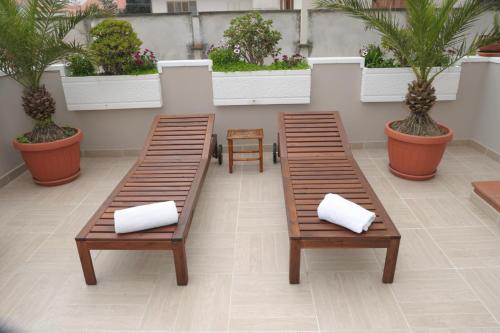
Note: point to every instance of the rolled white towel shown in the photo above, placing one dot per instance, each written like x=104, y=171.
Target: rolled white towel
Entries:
x=336, y=209
x=145, y=217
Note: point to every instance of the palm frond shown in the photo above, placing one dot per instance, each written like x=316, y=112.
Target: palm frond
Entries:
x=384, y=23
x=432, y=36
x=32, y=37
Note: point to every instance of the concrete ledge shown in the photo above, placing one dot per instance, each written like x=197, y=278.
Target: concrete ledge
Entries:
x=184, y=63
x=336, y=60
x=475, y=59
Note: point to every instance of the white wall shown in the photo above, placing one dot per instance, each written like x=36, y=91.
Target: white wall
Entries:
x=188, y=90
x=487, y=126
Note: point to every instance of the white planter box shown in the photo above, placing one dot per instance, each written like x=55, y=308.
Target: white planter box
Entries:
x=112, y=92
x=391, y=84
x=262, y=87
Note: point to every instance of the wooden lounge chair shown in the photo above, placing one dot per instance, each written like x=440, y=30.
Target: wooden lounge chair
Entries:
x=315, y=160
x=172, y=166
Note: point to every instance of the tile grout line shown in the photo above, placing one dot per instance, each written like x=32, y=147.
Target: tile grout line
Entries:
x=384, y=175
x=477, y=295
x=44, y=242
x=53, y=232
x=234, y=251
x=455, y=268
x=313, y=299
x=457, y=271
x=482, y=223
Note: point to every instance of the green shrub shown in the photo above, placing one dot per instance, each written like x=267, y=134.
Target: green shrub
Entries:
x=375, y=57
x=221, y=56
x=253, y=37
x=80, y=65
x=114, y=43
x=242, y=66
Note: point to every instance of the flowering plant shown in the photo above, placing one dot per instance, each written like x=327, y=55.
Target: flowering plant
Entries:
x=221, y=54
x=252, y=37
x=284, y=61
x=146, y=59
x=375, y=57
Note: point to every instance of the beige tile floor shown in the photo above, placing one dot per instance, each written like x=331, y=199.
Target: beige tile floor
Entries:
x=447, y=280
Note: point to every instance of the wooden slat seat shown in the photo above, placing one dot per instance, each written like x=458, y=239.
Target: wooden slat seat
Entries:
x=316, y=160
x=170, y=168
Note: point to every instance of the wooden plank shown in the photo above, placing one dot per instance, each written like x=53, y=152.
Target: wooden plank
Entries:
x=172, y=166
x=316, y=159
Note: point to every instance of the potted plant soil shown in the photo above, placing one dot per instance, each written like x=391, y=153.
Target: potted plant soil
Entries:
x=32, y=38
x=432, y=35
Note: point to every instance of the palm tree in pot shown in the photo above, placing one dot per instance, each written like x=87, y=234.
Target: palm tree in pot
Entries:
x=32, y=37
x=432, y=40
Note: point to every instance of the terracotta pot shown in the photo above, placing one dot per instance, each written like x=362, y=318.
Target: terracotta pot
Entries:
x=491, y=50
x=53, y=163
x=415, y=157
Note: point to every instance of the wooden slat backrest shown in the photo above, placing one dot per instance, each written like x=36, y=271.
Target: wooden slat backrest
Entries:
x=320, y=167
x=172, y=166
x=312, y=135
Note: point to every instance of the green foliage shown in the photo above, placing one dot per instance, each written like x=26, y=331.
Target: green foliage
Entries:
x=80, y=65
x=376, y=58
x=242, y=66
x=32, y=36
x=221, y=56
x=142, y=63
x=431, y=34
x=23, y=139
x=69, y=131
x=285, y=62
x=142, y=71
x=253, y=37
x=114, y=43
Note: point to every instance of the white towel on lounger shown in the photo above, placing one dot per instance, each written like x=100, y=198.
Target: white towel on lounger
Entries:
x=336, y=209
x=145, y=217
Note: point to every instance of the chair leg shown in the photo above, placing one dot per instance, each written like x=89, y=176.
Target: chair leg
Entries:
x=86, y=260
x=390, y=261
x=230, y=151
x=294, y=261
x=261, y=156
x=180, y=261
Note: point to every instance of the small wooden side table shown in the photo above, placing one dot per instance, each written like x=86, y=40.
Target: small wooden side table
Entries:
x=245, y=134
